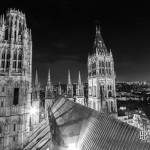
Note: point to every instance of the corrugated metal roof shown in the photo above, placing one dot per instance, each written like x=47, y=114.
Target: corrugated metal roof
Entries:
x=87, y=129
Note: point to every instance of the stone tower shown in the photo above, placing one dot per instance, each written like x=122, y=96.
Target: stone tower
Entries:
x=15, y=79
x=101, y=77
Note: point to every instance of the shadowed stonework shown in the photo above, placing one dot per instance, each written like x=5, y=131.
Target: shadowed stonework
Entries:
x=73, y=126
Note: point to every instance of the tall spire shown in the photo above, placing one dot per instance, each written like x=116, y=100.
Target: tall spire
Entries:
x=36, y=78
x=79, y=79
x=69, y=78
x=59, y=89
x=99, y=44
x=98, y=30
x=49, y=78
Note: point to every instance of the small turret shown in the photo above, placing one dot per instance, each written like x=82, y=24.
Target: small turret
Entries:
x=49, y=83
x=49, y=87
x=79, y=89
x=36, y=78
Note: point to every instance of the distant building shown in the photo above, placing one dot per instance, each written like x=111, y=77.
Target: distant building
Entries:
x=101, y=77
x=15, y=79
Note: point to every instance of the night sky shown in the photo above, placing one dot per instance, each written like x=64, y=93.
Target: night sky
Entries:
x=63, y=34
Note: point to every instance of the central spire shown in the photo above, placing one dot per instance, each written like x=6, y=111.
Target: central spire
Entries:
x=49, y=77
x=79, y=79
x=99, y=45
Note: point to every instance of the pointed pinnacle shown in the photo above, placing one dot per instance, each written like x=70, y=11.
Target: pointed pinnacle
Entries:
x=79, y=79
x=49, y=77
x=36, y=78
x=69, y=78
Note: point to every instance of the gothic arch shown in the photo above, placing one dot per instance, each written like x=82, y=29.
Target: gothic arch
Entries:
x=20, y=55
x=15, y=59
x=15, y=55
x=8, y=59
x=20, y=60
x=3, y=54
x=109, y=94
x=112, y=106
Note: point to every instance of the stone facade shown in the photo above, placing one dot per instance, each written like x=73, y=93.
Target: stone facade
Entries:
x=101, y=77
x=15, y=79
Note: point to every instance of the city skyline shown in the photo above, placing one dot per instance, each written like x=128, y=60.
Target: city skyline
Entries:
x=63, y=35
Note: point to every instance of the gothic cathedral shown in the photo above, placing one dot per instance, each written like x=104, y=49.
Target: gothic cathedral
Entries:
x=15, y=79
x=101, y=77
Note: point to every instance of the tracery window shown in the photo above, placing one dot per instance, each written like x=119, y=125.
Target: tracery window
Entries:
x=3, y=59
x=8, y=60
x=112, y=107
x=109, y=94
x=15, y=59
x=20, y=61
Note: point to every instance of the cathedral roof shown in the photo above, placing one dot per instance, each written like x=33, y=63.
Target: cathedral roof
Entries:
x=73, y=125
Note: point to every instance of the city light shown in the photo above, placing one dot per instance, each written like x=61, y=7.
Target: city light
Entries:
x=33, y=110
x=72, y=147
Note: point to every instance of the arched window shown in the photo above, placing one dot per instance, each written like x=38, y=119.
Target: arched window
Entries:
x=112, y=107
x=3, y=59
x=20, y=61
x=15, y=55
x=8, y=60
x=107, y=107
x=20, y=56
x=109, y=94
x=6, y=34
x=14, y=59
x=19, y=65
x=3, y=54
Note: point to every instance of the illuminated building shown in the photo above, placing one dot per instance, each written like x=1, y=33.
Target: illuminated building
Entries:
x=15, y=79
x=101, y=77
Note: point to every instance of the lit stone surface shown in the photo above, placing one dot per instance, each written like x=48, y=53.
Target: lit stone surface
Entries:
x=73, y=126
x=15, y=79
x=101, y=77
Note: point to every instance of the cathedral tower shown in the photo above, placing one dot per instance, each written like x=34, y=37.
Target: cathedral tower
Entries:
x=15, y=79
x=101, y=77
